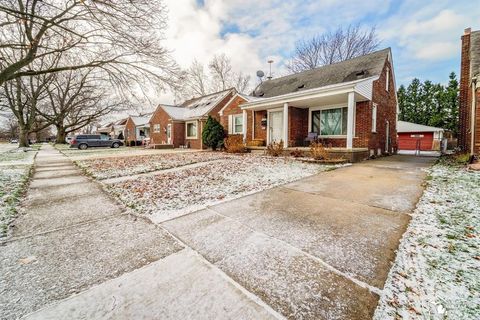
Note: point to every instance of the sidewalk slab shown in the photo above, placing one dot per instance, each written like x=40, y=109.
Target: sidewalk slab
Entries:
x=48, y=267
x=180, y=286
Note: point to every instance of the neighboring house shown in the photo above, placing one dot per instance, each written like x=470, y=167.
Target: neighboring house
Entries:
x=412, y=136
x=234, y=119
x=182, y=125
x=115, y=129
x=137, y=128
x=469, y=113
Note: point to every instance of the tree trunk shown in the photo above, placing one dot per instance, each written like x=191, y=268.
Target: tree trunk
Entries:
x=61, y=135
x=23, y=138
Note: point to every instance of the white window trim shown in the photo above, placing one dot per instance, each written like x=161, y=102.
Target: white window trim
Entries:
x=374, y=118
x=186, y=130
x=155, y=126
x=335, y=106
x=233, y=123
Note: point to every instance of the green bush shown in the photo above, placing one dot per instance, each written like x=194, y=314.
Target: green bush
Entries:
x=213, y=133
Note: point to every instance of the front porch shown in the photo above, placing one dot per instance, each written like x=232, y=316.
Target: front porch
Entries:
x=351, y=155
x=328, y=115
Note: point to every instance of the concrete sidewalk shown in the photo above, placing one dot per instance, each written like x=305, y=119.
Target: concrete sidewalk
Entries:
x=72, y=237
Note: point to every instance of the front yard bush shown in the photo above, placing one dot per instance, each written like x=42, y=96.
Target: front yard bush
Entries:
x=275, y=149
x=234, y=144
x=213, y=133
x=318, y=151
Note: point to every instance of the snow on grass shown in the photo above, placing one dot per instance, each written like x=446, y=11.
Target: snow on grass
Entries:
x=15, y=167
x=13, y=181
x=124, y=166
x=436, y=274
x=172, y=194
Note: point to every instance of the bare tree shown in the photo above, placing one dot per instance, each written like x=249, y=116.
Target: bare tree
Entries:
x=196, y=82
x=332, y=47
x=122, y=37
x=75, y=100
x=21, y=96
x=9, y=128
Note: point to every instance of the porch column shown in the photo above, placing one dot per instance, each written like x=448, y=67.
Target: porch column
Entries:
x=244, y=126
x=285, y=124
x=350, y=119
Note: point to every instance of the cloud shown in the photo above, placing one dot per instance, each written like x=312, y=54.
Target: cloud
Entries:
x=251, y=31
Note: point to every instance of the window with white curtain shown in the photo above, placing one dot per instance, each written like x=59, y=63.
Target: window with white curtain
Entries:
x=330, y=122
x=237, y=124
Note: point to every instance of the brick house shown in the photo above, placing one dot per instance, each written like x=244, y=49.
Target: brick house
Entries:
x=182, y=125
x=137, y=129
x=350, y=105
x=469, y=112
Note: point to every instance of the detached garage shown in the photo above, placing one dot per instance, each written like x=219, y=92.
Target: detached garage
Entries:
x=412, y=136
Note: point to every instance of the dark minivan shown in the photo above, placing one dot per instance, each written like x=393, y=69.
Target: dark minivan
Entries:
x=84, y=141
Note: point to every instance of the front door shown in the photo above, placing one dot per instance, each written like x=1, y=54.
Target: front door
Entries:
x=169, y=134
x=275, y=126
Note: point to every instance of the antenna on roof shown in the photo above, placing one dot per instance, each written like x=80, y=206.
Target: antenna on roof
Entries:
x=260, y=75
x=270, y=63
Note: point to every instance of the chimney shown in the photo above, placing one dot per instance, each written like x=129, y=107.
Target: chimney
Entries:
x=467, y=31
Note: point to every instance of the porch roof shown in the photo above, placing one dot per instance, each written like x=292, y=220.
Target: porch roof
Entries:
x=327, y=95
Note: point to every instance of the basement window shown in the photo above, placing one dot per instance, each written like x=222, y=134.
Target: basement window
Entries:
x=301, y=86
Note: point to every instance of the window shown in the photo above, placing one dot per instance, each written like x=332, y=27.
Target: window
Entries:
x=156, y=128
x=330, y=122
x=387, y=78
x=238, y=124
x=191, y=129
x=374, y=118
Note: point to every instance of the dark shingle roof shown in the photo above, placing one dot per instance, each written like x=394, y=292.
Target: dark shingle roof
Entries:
x=357, y=68
x=475, y=53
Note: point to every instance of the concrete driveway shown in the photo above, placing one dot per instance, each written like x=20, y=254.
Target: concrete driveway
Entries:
x=318, y=248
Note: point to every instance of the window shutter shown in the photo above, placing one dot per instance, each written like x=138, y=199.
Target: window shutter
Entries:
x=230, y=124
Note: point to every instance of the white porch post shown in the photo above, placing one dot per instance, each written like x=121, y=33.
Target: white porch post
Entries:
x=285, y=124
x=350, y=119
x=244, y=126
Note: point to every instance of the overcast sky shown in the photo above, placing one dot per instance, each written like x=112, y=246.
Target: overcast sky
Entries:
x=424, y=35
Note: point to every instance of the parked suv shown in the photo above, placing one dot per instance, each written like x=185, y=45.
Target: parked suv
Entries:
x=84, y=141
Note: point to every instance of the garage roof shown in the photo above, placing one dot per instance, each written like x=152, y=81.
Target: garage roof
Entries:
x=404, y=126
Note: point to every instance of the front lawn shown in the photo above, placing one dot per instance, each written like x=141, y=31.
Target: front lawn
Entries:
x=436, y=274
x=104, y=168
x=181, y=191
x=15, y=168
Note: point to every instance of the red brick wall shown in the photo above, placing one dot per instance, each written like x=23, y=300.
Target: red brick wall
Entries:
x=234, y=108
x=260, y=132
x=130, y=131
x=162, y=118
x=464, y=139
x=297, y=126
x=195, y=143
x=476, y=148
x=386, y=110
x=178, y=133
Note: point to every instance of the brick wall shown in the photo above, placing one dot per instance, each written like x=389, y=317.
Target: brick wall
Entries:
x=465, y=96
x=178, y=133
x=234, y=108
x=130, y=134
x=162, y=118
x=476, y=148
x=260, y=132
x=297, y=126
x=386, y=110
